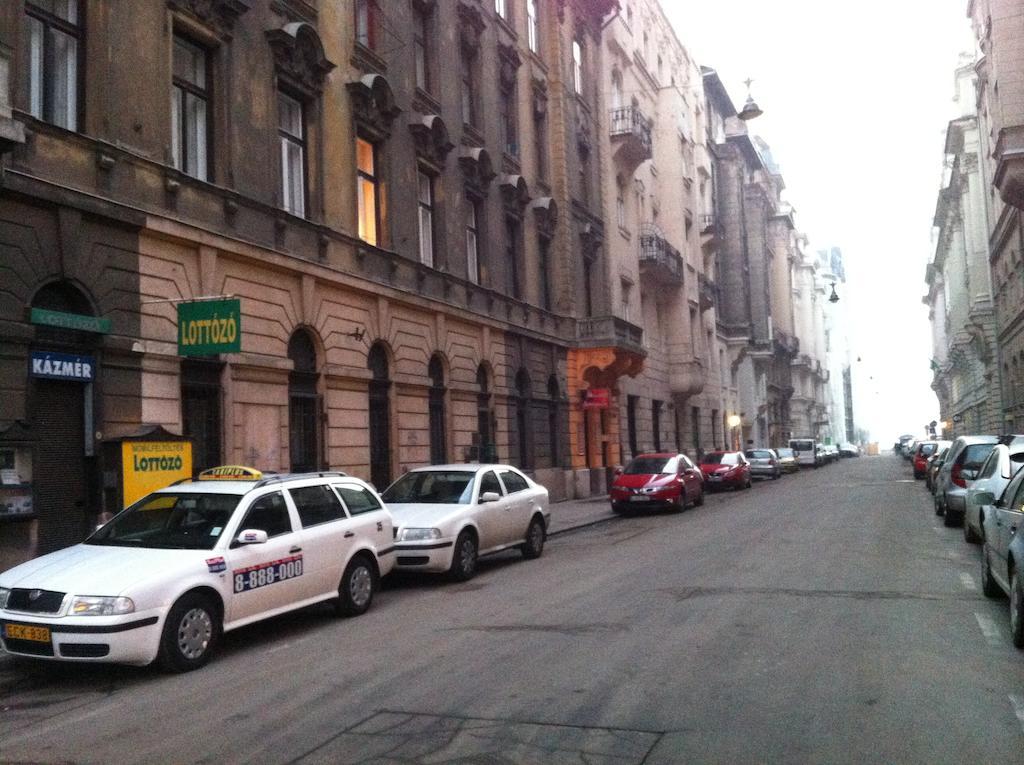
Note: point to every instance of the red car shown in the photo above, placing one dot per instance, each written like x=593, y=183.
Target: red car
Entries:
x=924, y=450
x=657, y=480
x=726, y=469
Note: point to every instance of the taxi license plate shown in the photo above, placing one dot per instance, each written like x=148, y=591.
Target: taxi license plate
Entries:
x=639, y=498
x=27, y=632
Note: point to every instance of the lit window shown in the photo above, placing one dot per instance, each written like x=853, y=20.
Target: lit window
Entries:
x=532, y=31
x=292, y=133
x=52, y=42
x=189, y=102
x=426, y=208
x=577, y=66
x=367, y=192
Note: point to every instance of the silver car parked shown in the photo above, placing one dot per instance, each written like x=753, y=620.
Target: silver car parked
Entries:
x=996, y=471
x=960, y=466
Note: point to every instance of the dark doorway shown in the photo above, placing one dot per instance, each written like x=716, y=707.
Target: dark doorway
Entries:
x=61, y=489
x=436, y=405
x=523, y=424
x=486, y=450
x=553, y=434
x=200, y=412
x=380, y=417
x=304, y=406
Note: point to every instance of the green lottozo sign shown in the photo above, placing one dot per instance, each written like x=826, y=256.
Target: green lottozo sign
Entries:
x=69, y=321
x=209, y=326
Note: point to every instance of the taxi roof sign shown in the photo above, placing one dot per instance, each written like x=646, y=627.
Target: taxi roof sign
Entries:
x=231, y=473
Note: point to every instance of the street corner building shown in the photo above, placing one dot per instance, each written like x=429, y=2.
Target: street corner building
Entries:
x=400, y=200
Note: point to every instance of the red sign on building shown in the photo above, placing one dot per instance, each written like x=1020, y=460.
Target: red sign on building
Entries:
x=597, y=398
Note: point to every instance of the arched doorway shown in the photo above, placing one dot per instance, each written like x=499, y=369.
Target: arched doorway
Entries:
x=63, y=420
x=553, y=434
x=379, y=417
x=305, y=440
x=522, y=416
x=437, y=414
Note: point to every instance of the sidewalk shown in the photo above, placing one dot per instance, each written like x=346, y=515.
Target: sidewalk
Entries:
x=576, y=513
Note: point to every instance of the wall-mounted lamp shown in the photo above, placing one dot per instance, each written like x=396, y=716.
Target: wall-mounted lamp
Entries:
x=750, y=109
x=833, y=298
x=357, y=334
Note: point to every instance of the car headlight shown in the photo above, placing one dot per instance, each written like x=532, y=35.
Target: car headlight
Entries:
x=4, y=595
x=418, y=535
x=99, y=605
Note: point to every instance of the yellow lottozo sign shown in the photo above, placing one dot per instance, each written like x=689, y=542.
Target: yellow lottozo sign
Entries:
x=152, y=465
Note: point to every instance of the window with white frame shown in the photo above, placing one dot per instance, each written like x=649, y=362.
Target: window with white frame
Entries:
x=577, y=67
x=472, y=240
x=190, y=95
x=53, y=42
x=426, y=218
x=291, y=129
x=532, y=28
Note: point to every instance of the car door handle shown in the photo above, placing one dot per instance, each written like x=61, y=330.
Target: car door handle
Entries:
x=349, y=534
x=295, y=549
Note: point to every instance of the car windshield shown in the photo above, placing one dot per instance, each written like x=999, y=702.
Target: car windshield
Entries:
x=928, y=449
x=182, y=521
x=758, y=454
x=784, y=452
x=434, y=487
x=720, y=458
x=651, y=466
x=803, y=446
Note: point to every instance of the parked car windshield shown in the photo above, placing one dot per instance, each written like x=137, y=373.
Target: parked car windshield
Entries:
x=435, y=487
x=785, y=453
x=719, y=458
x=758, y=454
x=804, y=446
x=651, y=466
x=185, y=521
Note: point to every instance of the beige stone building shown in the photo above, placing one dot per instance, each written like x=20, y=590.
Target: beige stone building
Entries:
x=656, y=188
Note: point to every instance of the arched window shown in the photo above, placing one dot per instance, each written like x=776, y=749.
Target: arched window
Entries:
x=553, y=397
x=379, y=417
x=523, y=419
x=485, y=427
x=305, y=442
x=436, y=405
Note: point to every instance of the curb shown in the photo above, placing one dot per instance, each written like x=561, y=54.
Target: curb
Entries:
x=586, y=524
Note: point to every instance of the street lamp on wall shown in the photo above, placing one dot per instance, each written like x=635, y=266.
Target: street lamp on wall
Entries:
x=833, y=298
x=750, y=109
x=734, y=421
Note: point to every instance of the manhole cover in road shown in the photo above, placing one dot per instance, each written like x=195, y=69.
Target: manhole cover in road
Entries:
x=402, y=737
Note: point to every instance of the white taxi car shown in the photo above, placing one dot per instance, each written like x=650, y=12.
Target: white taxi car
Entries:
x=446, y=516
x=168, y=575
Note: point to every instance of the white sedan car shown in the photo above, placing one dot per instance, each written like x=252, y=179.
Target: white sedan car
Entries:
x=447, y=515
x=167, y=576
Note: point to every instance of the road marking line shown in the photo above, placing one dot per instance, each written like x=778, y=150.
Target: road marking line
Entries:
x=1018, y=707
x=968, y=581
x=988, y=629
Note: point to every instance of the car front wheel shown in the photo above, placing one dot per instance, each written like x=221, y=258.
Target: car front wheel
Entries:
x=464, y=557
x=700, y=498
x=1017, y=609
x=357, y=587
x=533, y=547
x=190, y=634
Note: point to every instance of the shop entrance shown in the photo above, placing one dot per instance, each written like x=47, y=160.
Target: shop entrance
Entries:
x=61, y=487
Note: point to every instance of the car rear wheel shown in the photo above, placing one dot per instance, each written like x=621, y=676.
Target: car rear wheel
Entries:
x=951, y=518
x=938, y=507
x=464, y=557
x=680, y=504
x=700, y=498
x=1017, y=609
x=970, y=535
x=988, y=584
x=533, y=547
x=190, y=634
x=357, y=587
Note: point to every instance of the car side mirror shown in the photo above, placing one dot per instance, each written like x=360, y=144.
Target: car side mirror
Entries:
x=489, y=496
x=252, y=537
x=984, y=498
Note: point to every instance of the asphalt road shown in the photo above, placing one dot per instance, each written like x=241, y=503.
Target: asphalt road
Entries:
x=826, y=617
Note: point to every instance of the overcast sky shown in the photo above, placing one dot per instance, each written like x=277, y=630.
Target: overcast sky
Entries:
x=856, y=99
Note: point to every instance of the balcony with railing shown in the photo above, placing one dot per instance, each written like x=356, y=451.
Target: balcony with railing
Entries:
x=659, y=260
x=610, y=331
x=630, y=131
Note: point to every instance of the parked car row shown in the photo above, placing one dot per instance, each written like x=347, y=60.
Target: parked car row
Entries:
x=167, y=576
x=977, y=482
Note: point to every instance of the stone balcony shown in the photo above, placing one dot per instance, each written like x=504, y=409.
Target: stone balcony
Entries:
x=659, y=261
x=707, y=292
x=630, y=133
x=610, y=331
x=786, y=343
x=686, y=377
x=1009, y=156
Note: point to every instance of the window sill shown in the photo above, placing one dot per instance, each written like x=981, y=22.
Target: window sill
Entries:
x=473, y=133
x=366, y=59
x=424, y=102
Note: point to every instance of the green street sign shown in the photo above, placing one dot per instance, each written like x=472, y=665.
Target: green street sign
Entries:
x=209, y=326
x=69, y=321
